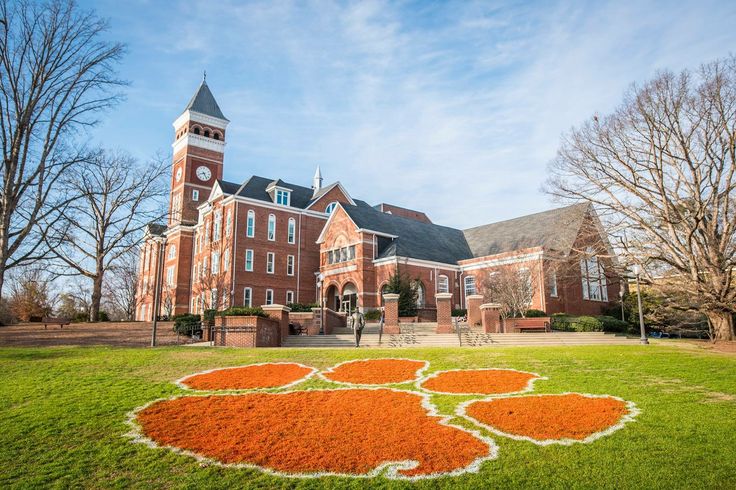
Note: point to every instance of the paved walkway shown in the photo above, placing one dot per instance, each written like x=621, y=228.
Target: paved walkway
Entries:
x=118, y=334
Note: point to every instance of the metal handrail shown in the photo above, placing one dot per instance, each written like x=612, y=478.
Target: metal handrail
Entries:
x=380, y=330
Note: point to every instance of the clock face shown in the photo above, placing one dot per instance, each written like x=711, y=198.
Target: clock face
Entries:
x=178, y=174
x=203, y=173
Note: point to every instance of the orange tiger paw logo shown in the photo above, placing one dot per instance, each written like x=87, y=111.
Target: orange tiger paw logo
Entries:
x=257, y=416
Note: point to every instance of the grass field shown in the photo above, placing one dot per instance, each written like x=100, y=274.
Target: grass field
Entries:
x=63, y=411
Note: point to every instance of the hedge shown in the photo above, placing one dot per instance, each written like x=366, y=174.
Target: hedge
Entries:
x=603, y=323
x=244, y=311
x=302, y=307
x=186, y=323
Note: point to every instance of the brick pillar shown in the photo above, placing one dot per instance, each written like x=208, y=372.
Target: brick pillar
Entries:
x=391, y=313
x=444, y=312
x=279, y=313
x=491, y=317
x=473, y=302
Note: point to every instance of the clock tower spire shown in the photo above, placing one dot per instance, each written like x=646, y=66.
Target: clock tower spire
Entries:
x=199, y=150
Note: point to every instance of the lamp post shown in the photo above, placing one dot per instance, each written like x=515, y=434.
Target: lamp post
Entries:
x=637, y=270
x=320, y=282
x=157, y=287
x=621, y=299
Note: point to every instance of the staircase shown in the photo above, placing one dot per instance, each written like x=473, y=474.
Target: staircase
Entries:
x=423, y=335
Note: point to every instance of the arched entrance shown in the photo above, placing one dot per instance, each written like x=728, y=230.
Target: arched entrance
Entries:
x=332, y=298
x=349, y=297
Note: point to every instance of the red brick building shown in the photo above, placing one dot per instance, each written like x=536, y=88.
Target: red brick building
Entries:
x=266, y=241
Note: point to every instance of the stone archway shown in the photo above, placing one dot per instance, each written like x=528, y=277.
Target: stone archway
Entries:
x=349, y=297
x=332, y=298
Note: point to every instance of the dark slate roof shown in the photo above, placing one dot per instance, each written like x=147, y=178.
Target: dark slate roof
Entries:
x=255, y=188
x=555, y=229
x=416, y=239
x=155, y=229
x=204, y=102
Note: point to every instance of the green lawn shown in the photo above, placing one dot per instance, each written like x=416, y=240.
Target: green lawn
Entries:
x=63, y=410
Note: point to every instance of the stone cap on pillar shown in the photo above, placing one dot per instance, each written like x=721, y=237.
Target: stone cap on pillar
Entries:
x=491, y=306
x=443, y=295
x=474, y=296
x=391, y=296
x=275, y=308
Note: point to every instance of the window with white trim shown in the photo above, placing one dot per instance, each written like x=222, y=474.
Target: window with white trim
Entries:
x=228, y=222
x=283, y=197
x=553, y=284
x=170, y=276
x=250, y=225
x=247, y=297
x=249, y=260
x=172, y=251
x=195, y=195
x=269, y=296
x=217, y=226
x=207, y=232
x=469, y=285
x=292, y=231
x=289, y=265
x=226, y=260
x=215, y=262
x=443, y=284
x=270, y=258
x=214, y=298
x=331, y=207
x=289, y=297
x=595, y=287
x=343, y=254
x=204, y=265
x=271, y=227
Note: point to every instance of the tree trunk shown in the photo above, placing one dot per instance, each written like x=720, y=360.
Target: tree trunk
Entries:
x=721, y=323
x=94, y=310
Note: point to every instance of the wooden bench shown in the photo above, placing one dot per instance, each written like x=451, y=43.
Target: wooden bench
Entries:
x=521, y=325
x=54, y=321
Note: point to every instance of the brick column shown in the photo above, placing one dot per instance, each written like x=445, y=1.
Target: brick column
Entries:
x=280, y=313
x=391, y=313
x=491, y=317
x=444, y=312
x=473, y=302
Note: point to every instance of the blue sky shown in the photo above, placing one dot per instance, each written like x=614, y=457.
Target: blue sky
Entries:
x=454, y=108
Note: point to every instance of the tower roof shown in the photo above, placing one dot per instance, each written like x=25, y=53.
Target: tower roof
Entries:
x=204, y=102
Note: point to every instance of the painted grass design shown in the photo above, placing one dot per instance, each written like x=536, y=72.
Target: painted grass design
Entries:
x=479, y=382
x=255, y=376
x=350, y=432
x=375, y=372
x=551, y=419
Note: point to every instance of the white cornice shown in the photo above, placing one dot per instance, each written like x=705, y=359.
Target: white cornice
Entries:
x=189, y=115
x=379, y=233
x=340, y=270
x=200, y=142
x=418, y=262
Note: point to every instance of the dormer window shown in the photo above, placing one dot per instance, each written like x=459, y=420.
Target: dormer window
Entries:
x=331, y=207
x=283, y=197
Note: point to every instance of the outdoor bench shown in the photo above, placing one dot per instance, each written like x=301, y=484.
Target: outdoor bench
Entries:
x=54, y=321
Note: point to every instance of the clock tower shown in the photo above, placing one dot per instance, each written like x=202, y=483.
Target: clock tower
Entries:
x=199, y=149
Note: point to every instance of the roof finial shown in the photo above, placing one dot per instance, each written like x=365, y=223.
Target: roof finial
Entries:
x=204, y=76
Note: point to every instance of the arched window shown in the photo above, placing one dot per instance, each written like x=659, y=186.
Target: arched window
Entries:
x=331, y=207
x=271, y=227
x=443, y=284
x=250, y=228
x=196, y=130
x=172, y=251
x=217, y=135
x=292, y=231
x=206, y=133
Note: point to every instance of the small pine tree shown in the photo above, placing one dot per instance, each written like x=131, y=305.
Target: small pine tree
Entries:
x=401, y=284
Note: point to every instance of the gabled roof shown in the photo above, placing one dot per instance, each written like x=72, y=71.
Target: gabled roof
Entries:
x=324, y=190
x=204, y=102
x=416, y=239
x=257, y=188
x=555, y=229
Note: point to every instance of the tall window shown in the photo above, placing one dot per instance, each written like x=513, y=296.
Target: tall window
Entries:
x=215, y=262
x=553, y=284
x=226, y=260
x=271, y=227
x=270, y=257
x=331, y=207
x=292, y=230
x=228, y=222
x=172, y=251
x=443, y=284
x=290, y=265
x=289, y=297
x=206, y=232
x=282, y=197
x=247, y=297
x=593, y=277
x=250, y=227
x=249, y=260
x=170, y=276
x=469, y=285
x=217, y=226
x=214, y=298
x=195, y=195
x=204, y=265
x=269, y=296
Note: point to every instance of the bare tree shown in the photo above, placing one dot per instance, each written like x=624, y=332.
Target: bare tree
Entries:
x=121, y=286
x=661, y=172
x=511, y=286
x=56, y=74
x=211, y=289
x=31, y=296
x=117, y=199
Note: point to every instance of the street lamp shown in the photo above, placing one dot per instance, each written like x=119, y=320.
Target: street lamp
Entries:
x=621, y=299
x=320, y=282
x=637, y=270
